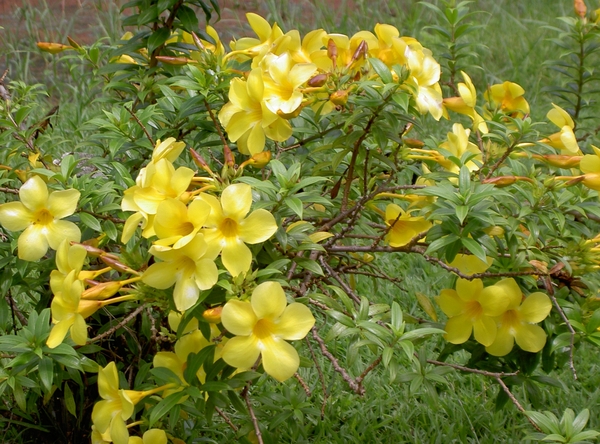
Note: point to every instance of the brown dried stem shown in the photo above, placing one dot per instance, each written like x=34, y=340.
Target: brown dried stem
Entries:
x=125, y=320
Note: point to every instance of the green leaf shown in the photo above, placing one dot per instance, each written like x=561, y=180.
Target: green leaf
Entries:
x=158, y=38
x=476, y=249
x=90, y=221
x=397, y=320
x=69, y=400
x=309, y=265
x=295, y=205
x=164, y=406
x=188, y=18
x=462, y=211
x=381, y=69
x=46, y=372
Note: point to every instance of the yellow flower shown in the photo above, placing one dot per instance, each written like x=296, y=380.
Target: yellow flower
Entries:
x=177, y=361
x=39, y=214
x=168, y=149
x=175, y=224
x=465, y=103
x=565, y=139
x=246, y=117
x=116, y=407
x=590, y=166
x=471, y=308
x=261, y=328
x=468, y=264
x=507, y=98
x=69, y=311
x=230, y=227
x=68, y=258
x=266, y=34
x=457, y=145
x=191, y=268
x=516, y=324
x=281, y=92
x=152, y=436
x=155, y=183
x=404, y=227
x=424, y=78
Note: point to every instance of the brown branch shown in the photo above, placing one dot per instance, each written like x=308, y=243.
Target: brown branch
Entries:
x=9, y=190
x=550, y=291
x=321, y=377
x=516, y=402
x=116, y=220
x=139, y=122
x=216, y=124
x=356, y=388
x=462, y=368
x=226, y=418
x=303, y=384
x=364, y=374
x=338, y=278
x=125, y=320
x=252, y=415
x=15, y=308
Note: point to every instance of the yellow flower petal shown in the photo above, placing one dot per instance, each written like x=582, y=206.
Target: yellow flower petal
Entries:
x=268, y=300
x=295, y=322
x=280, y=359
x=14, y=216
x=59, y=332
x=469, y=290
x=531, y=338
x=236, y=201
x=236, y=257
x=484, y=330
x=450, y=303
x=186, y=292
x=32, y=243
x=535, y=308
x=60, y=230
x=259, y=226
x=458, y=329
x=160, y=275
x=63, y=203
x=241, y=352
x=502, y=345
x=238, y=318
x=34, y=194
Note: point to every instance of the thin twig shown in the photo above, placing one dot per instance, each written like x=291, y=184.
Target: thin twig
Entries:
x=462, y=368
x=364, y=374
x=9, y=190
x=226, y=419
x=303, y=384
x=516, y=402
x=125, y=320
x=216, y=123
x=252, y=415
x=139, y=122
x=564, y=317
x=338, y=278
x=15, y=308
x=321, y=377
x=356, y=388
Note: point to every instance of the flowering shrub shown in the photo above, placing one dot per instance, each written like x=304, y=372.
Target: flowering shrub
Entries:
x=248, y=210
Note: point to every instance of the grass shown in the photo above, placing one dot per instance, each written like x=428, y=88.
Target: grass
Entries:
x=460, y=411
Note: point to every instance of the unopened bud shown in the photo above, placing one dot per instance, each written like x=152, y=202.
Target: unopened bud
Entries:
x=198, y=159
x=170, y=60
x=91, y=250
x=213, y=315
x=73, y=43
x=502, y=181
x=339, y=97
x=361, y=51
x=260, y=160
x=318, y=80
x=413, y=143
x=228, y=156
x=114, y=263
x=580, y=8
x=332, y=52
x=101, y=291
x=198, y=42
x=559, y=160
x=53, y=48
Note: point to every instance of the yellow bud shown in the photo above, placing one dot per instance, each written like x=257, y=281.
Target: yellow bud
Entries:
x=502, y=181
x=260, y=160
x=53, y=48
x=339, y=98
x=413, y=143
x=213, y=315
x=101, y=291
x=170, y=60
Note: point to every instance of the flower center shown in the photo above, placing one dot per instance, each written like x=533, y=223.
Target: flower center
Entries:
x=473, y=310
x=263, y=329
x=43, y=217
x=229, y=228
x=185, y=228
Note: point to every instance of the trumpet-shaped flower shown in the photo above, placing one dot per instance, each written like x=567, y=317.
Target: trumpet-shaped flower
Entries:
x=117, y=405
x=246, y=117
x=175, y=224
x=262, y=327
x=469, y=264
x=281, y=93
x=424, y=78
x=191, y=268
x=69, y=311
x=465, y=103
x=39, y=214
x=155, y=183
x=471, y=308
x=517, y=324
x=230, y=227
x=168, y=149
x=251, y=47
x=68, y=258
x=403, y=226
x=565, y=139
x=457, y=145
x=590, y=166
x=508, y=98
x=152, y=436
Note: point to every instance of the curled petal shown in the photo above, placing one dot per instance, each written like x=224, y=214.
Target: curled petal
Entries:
x=59, y=331
x=79, y=330
x=185, y=293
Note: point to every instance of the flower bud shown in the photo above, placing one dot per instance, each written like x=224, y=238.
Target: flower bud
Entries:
x=213, y=315
x=101, y=291
x=260, y=160
x=318, y=80
x=413, y=143
x=52, y=48
x=170, y=60
x=339, y=97
x=502, y=181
